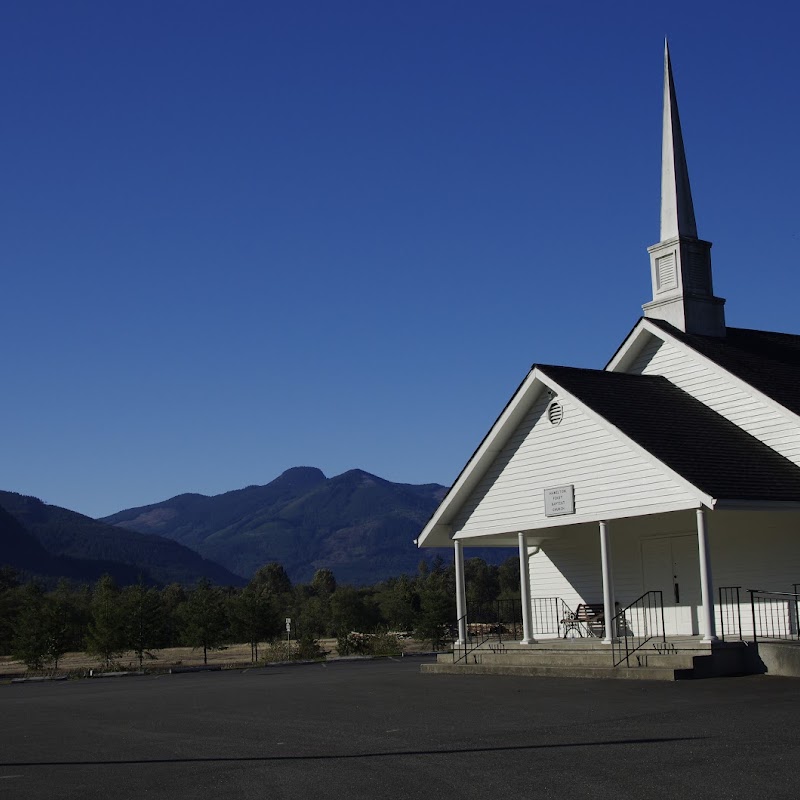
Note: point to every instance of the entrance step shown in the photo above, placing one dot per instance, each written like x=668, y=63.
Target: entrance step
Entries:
x=671, y=661
x=581, y=659
x=651, y=673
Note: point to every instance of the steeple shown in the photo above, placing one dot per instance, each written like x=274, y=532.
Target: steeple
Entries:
x=680, y=263
x=677, y=209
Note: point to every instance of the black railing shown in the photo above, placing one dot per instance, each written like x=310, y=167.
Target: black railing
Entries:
x=634, y=626
x=775, y=614
x=549, y=615
x=499, y=620
x=730, y=613
x=796, y=591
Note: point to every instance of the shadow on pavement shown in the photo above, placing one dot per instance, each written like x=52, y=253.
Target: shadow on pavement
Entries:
x=345, y=756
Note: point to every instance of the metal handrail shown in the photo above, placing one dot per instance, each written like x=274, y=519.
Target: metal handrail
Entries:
x=548, y=615
x=647, y=613
x=729, y=600
x=471, y=643
x=775, y=615
x=796, y=587
x=480, y=630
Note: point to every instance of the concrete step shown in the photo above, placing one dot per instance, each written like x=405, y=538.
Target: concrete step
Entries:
x=584, y=659
x=695, y=660
x=694, y=644
x=618, y=673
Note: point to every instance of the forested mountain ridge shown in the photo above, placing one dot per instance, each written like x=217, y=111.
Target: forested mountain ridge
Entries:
x=22, y=551
x=357, y=524
x=75, y=546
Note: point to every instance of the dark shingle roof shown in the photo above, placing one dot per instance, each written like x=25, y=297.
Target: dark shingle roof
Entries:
x=709, y=451
x=769, y=362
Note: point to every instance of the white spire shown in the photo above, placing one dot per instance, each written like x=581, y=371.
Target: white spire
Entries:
x=677, y=209
x=680, y=264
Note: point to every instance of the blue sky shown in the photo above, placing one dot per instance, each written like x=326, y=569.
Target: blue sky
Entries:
x=237, y=237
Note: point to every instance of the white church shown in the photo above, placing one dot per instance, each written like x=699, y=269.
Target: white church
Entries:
x=670, y=478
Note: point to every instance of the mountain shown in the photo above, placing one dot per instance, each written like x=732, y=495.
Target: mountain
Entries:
x=360, y=526
x=51, y=541
x=26, y=554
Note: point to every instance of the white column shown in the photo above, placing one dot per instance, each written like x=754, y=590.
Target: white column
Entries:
x=608, y=582
x=461, y=594
x=706, y=583
x=525, y=590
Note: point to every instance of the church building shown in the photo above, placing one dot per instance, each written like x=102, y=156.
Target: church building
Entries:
x=673, y=474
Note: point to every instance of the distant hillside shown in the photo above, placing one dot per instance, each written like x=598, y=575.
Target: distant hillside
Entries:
x=25, y=553
x=359, y=525
x=52, y=541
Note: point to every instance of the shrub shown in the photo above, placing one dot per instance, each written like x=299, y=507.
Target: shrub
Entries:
x=279, y=650
x=308, y=648
x=352, y=644
x=384, y=643
x=305, y=649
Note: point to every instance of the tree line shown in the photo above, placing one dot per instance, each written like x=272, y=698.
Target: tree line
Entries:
x=105, y=620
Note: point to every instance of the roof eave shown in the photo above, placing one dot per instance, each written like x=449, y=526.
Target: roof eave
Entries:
x=480, y=461
x=756, y=505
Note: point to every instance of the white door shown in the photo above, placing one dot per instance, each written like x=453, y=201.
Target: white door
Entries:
x=670, y=564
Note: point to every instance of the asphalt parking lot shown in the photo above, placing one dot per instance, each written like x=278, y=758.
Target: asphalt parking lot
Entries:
x=380, y=729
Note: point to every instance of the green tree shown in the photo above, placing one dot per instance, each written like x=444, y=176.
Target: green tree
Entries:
x=30, y=642
x=437, y=607
x=59, y=614
x=9, y=607
x=323, y=583
x=81, y=616
x=353, y=610
x=481, y=582
x=173, y=603
x=206, y=623
x=272, y=578
x=399, y=603
x=312, y=615
x=508, y=578
x=144, y=620
x=254, y=617
x=105, y=637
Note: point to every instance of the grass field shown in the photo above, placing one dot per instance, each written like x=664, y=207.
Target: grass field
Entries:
x=234, y=655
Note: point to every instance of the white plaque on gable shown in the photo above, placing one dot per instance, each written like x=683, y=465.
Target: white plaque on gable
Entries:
x=559, y=500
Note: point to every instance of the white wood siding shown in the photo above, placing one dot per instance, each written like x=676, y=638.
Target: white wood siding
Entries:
x=689, y=372
x=610, y=477
x=753, y=551
x=580, y=582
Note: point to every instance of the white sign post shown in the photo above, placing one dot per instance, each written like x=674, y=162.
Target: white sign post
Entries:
x=288, y=627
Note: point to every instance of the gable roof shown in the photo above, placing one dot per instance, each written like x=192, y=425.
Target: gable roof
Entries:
x=767, y=361
x=701, y=447
x=707, y=450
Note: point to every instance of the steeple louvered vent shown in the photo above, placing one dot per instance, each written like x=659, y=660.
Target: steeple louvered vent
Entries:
x=666, y=273
x=698, y=272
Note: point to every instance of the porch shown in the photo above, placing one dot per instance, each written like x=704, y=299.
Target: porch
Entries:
x=696, y=566
x=637, y=645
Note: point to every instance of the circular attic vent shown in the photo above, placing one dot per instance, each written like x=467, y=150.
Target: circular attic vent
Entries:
x=555, y=412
